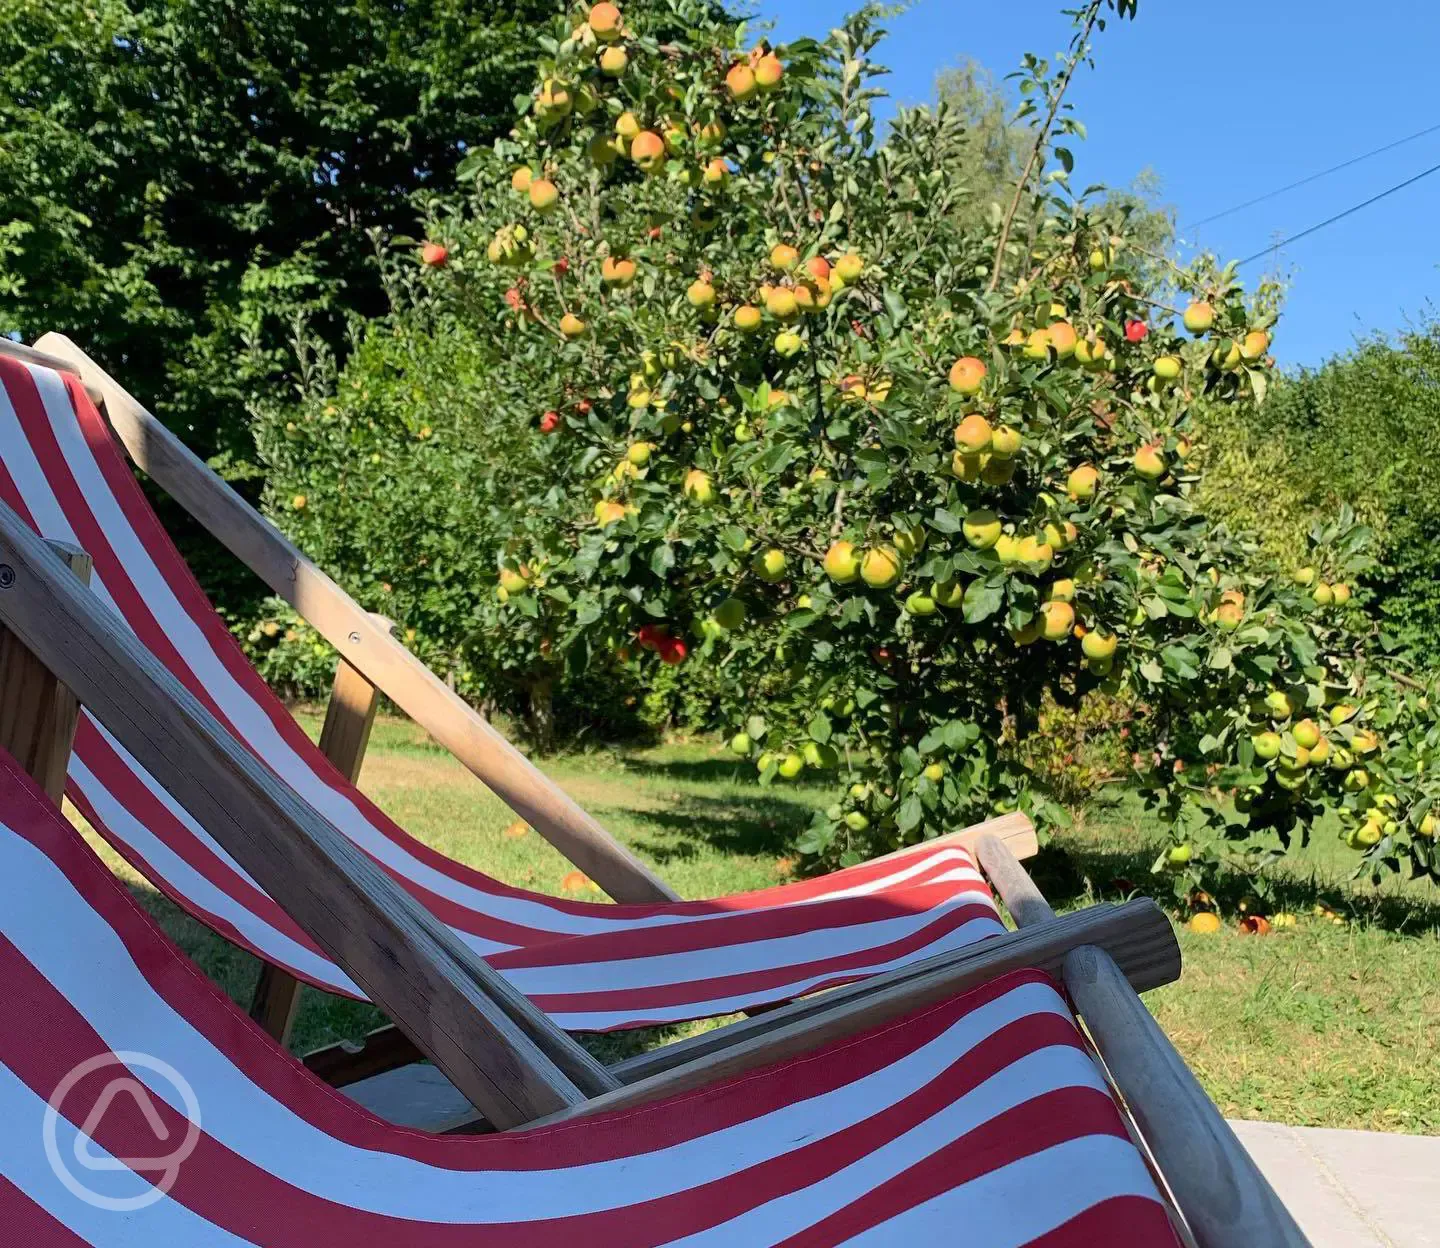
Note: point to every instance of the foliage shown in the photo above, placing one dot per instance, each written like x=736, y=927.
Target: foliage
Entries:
x=1364, y=428
x=179, y=179
x=774, y=405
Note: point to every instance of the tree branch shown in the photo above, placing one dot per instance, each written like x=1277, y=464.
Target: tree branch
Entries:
x=1041, y=135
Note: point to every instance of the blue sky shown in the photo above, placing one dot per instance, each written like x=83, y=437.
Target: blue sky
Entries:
x=1225, y=101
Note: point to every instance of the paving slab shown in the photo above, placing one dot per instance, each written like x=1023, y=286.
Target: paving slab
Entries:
x=1352, y=1189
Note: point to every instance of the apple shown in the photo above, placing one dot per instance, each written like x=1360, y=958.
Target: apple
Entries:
x=1278, y=703
x=571, y=326
x=604, y=152
x=768, y=72
x=1427, y=826
x=741, y=82
x=880, y=567
x=1037, y=345
x=820, y=757
x=1320, y=751
x=948, y=594
x=1029, y=633
x=1150, y=463
x=520, y=180
x=627, y=127
x=1007, y=549
x=981, y=528
x=849, y=267
x=1266, y=745
x=1204, y=923
x=1167, y=367
x=741, y=744
x=819, y=268
x=1005, y=442
x=1056, y=620
x=1341, y=759
x=1340, y=592
x=1306, y=733
x=1036, y=552
x=1365, y=741
x=434, y=255
x=604, y=20
x=698, y=487
x=715, y=173
x=1178, y=855
x=617, y=271
x=1082, y=482
x=770, y=565
x=701, y=294
x=967, y=374
x=1254, y=345
x=299, y=502
x=966, y=467
x=1322, y=595
x=553, y=102
x=1340, y=712
x=920, y=604
x=1097, y=645
x=842, y=564
x=1063, y=339
x=1356, y=779
x=973, y=434
x=1305, y=576
x=1098, y=260
x=647, y=150
x=1199, y=317
x=747, y=318
x=788, y=344
x=673, y=651
x=1136, y=331
x=549, y=422
x=784, y=257
x=513, y=580
x=1062, y=590
x=791, y=765
x=639, y=453
x=730, y=614
x=613, y=62
x=1229, y=616
x=607, y=512
x=856, y=821
x=781, y=303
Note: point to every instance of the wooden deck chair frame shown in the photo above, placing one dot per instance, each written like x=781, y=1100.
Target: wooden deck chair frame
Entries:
x=60, y=647
x=372, y=661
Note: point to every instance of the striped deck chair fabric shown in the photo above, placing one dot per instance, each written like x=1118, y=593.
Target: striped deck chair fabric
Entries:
x=639, y=965
x=980, y=1121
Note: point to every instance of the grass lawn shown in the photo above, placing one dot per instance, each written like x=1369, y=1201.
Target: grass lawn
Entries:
x=1324, y=1024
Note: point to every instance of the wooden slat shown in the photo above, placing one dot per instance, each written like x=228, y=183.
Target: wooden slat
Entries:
x=38, y=714
x=349, y=628
x=1226, y=1201
x=1137, y=933
x=381, y=1051
x=1017, y=890
x=491, y=1042
x=29, y=355
x=1014, y=830
x=349, y=717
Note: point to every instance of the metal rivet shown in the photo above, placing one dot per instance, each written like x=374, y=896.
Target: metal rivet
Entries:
x=7, y=576
x=354, y=639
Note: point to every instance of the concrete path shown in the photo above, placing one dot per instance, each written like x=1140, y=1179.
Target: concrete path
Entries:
x=1352, y=1189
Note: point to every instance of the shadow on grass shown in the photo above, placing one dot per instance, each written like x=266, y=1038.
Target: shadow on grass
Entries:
x=756, y=826
x=1076, y=874
x=695, y=771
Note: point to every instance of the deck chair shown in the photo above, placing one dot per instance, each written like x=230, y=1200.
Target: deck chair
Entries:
x=954, y=1101
x=650, y=961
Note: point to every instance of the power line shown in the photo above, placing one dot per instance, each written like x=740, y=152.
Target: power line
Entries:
x=1344, y=164
x=1339, y=216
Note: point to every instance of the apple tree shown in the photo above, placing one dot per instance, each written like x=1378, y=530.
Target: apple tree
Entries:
x=893, y=472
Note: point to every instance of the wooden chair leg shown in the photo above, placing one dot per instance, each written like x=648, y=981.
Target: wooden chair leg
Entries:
x=38, y=714
x=349, y=717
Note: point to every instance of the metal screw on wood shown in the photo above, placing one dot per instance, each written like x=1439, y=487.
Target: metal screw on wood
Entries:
x=7, y=576
x=355, y=639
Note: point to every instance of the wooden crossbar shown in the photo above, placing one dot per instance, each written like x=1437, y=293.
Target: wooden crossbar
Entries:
x=488, y=1038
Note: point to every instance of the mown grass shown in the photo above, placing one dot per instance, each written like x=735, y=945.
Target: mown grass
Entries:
x=1329, y=1023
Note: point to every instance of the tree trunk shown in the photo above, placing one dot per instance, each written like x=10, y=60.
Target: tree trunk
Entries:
x=542, y=715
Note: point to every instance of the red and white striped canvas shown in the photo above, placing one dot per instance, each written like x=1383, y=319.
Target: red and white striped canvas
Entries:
x=982, y=1121
x=638, y=964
